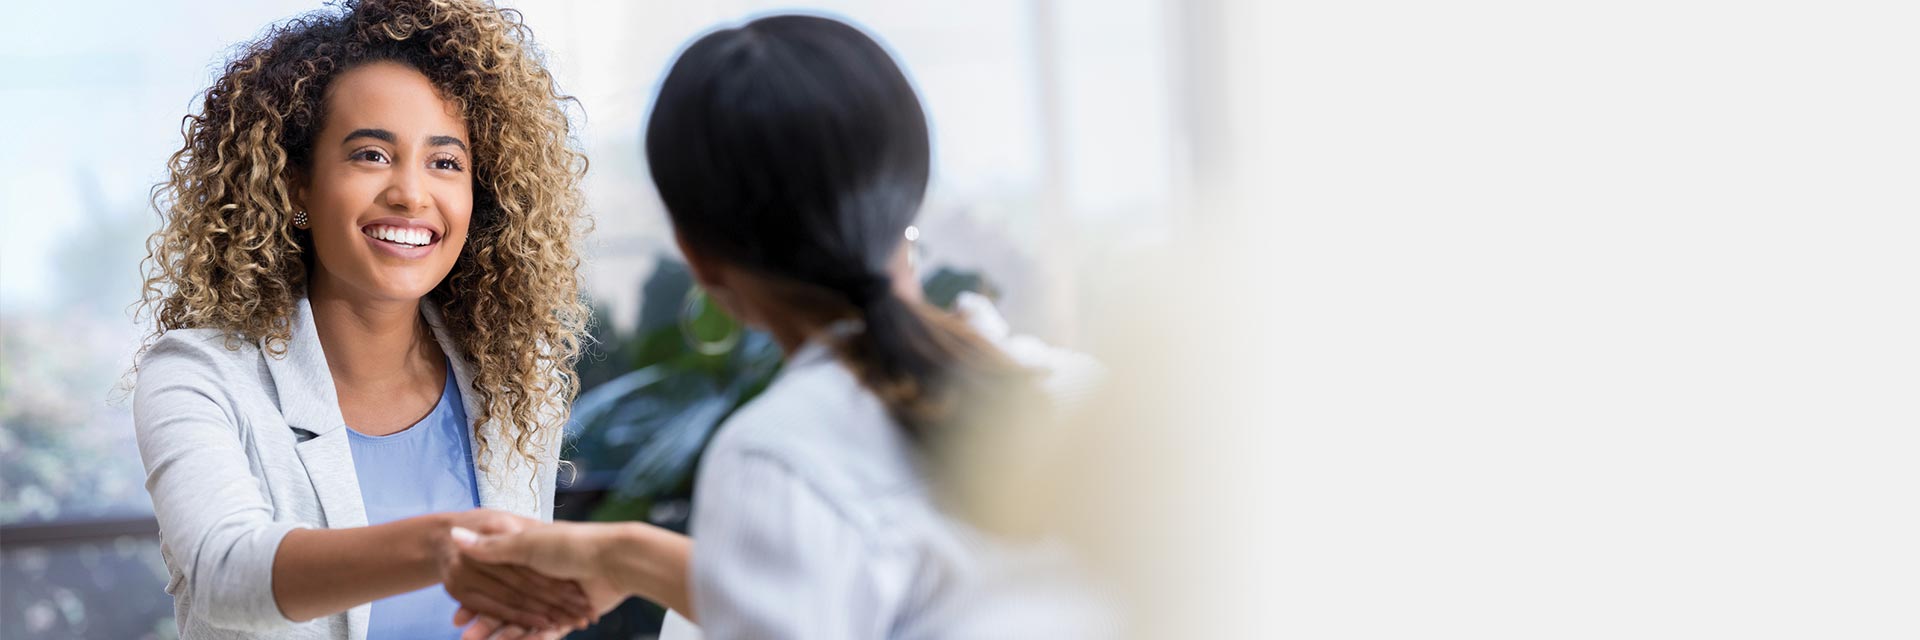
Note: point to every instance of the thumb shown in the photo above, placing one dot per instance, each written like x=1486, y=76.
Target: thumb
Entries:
x=489, y=549
x=464, y=538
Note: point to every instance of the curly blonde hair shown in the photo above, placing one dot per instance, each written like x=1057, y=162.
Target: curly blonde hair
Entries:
x=228, y=257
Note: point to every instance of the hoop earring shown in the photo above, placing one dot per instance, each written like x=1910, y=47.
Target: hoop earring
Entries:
x=697, y=305
x=300, y=218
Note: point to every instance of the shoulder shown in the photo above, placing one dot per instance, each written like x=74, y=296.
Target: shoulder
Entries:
x=804, y=404
x=196, y=353
x=197, y=362
x=816, y=427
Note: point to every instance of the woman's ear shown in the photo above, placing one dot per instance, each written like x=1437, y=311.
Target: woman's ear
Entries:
x=900, y=270
x=706, y=272
x=297, y=189
x=719, y=281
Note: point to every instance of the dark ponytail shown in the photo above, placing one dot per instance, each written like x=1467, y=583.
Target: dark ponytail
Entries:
x=931, y=369
x=794, y=147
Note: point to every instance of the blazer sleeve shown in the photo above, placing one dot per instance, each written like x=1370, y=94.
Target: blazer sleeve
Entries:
x=215, y=520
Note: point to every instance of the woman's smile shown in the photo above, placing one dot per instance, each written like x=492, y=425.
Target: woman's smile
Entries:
x=401, y=237
x=393, y=175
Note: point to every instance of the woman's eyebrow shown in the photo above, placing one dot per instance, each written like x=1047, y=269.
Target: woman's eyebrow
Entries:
x=442, y=141
x=377, y=134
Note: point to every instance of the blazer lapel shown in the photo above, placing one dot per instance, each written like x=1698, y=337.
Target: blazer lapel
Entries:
x=310, y=406
x=503, y=480
x=329, y=461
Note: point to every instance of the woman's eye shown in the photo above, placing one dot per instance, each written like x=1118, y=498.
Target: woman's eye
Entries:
x=448, y=164
x=370, y=155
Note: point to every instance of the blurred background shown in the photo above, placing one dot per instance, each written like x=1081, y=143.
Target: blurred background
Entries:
x=1063, y=137
x=1487, y=319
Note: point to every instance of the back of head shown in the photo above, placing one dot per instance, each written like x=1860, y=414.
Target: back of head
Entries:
x=794, y=147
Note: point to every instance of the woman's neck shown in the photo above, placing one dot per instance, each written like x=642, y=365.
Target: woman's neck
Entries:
x=760, y=303
x=372, y=344
x=792, y=326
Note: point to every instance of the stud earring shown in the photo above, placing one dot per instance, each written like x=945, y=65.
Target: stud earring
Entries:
x=300, y=218
x=913, y=248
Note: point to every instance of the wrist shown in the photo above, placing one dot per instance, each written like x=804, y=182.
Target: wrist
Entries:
x=612, y=547
x=611, y=544
x=648, y=561
x=432, y=544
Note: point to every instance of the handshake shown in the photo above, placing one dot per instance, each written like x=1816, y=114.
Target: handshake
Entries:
x=519, y=578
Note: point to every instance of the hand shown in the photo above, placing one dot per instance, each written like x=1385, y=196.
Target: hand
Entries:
x=557, y=549
x=477, y=521
x=490, y=628
x=513, y=594
x=485, y=627
x=560, y=550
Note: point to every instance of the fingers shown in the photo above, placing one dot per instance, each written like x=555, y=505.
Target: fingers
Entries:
x=491, y=522
x=498, y=523
x=497, y=549
x=564, y=596
x=482, y=629
x=463, y=538
x=511, y=632
x=501, y=613
x=490, y=628
x=502, y=554
x=561, y=600
x=477, y=588
x=463, y=616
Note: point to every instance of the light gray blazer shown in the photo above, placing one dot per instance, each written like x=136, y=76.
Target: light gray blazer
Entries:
x=241, y=446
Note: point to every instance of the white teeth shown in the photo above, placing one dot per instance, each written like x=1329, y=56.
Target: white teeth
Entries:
x=414, y=237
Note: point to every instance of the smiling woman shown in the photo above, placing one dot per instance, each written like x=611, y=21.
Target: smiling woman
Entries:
x=366, y=314
x=388, y=193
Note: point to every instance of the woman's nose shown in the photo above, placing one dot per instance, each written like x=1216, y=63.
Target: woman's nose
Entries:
x=408, y=191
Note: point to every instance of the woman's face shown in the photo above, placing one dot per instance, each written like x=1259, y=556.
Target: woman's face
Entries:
x=390, y=191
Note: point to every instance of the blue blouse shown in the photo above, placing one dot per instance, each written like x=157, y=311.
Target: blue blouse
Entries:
x=427, y=468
